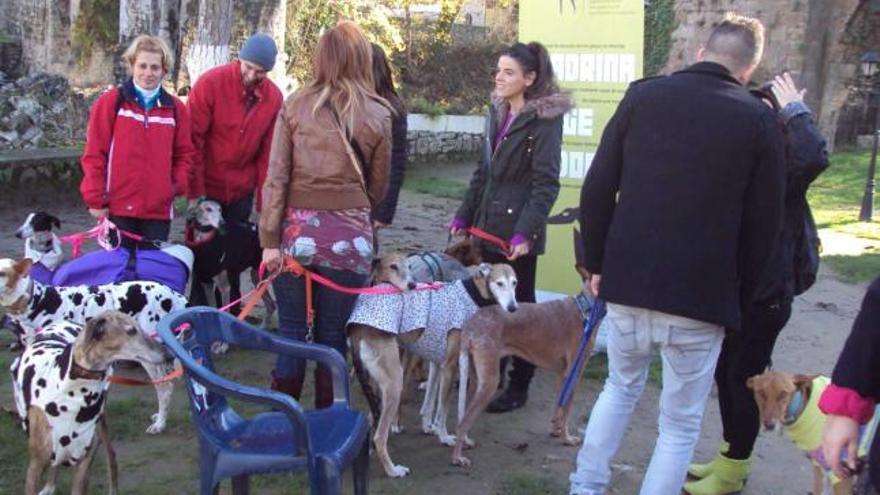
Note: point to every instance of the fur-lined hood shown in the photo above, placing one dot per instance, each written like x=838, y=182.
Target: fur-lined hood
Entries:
x=546, y=107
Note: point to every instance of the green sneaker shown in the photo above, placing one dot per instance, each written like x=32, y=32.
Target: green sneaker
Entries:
x=700, y=471
x=728, y=477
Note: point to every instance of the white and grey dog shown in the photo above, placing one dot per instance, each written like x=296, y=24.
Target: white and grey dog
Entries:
x=40, y=242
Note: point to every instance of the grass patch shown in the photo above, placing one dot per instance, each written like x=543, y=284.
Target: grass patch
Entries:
x=436, y=186
x=531, y=484
x=596, y=369
x=439, y=179
x=854, y=269
x=836, y=196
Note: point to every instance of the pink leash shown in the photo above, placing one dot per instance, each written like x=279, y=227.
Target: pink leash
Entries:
x=101, y=234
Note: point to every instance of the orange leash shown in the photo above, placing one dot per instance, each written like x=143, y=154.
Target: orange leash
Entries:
x=124, y=380
x=255, y=297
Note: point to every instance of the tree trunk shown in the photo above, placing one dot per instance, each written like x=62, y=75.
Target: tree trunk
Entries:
x=210, y=45
x=212, y=31
x=45, y=34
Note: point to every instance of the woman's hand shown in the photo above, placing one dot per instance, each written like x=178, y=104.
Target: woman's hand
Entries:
x=377, y=225
x=841, y=435
x=457, y=227
x=518, y=250
x=785, y=91
x=98, y=213
x=271, y=259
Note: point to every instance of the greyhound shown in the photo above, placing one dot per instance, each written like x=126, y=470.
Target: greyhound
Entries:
x=426, y=323
x=60, y=386
x=222, y=252
x=546, y=334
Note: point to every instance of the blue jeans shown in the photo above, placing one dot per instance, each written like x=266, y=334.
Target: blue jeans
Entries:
x=332, y=310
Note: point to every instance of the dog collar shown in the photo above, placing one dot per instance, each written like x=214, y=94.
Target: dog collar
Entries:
x=471, y=287
x=794, y=407
x=78, y=372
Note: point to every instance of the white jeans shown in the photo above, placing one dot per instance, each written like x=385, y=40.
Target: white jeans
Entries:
x=690, y=351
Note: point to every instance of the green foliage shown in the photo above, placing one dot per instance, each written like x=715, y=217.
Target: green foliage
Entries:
x=419, y=104
x=455, y=77
x=659, y=24
x=97, y=25
x=307, y=19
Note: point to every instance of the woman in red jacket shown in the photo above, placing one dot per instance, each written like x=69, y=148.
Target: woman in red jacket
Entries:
x=138, y=149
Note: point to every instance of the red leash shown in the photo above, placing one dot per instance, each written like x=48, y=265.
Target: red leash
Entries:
x=482, y=234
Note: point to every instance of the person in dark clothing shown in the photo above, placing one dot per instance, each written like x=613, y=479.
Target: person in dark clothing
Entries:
x=680, y=212
x=850, y=399
x=792, y=270
x=383, y=214
x=516, y=183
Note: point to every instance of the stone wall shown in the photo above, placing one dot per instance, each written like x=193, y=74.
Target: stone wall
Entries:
x=443, y=145
x=803, y=36
x=41, y=111
x=444, y=136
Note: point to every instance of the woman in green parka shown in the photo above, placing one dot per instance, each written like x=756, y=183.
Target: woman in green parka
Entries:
x=516, y=183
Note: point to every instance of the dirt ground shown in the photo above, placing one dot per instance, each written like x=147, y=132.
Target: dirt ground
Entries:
x=514, y=454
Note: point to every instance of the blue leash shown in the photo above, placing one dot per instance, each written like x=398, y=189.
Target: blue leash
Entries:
x=597, y=312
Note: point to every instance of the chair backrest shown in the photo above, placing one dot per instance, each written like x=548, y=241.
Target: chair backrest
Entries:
x=189, y=334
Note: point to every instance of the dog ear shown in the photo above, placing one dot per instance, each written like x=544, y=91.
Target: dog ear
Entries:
x=484, y=270
x=96, y=328
x=377, y=261
x=55, y=221
x=803, y=381
x=23, y=266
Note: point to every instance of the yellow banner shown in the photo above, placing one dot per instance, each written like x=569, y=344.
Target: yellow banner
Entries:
x=596, y=48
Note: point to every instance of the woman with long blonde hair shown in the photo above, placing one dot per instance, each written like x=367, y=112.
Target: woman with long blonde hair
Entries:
x=327, y=169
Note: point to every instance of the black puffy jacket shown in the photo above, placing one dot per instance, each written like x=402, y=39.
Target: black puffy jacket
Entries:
x=795, y=260
x=516, y=184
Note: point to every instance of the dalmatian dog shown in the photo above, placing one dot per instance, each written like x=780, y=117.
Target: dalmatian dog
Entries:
x=60, y=384
x=35, y=306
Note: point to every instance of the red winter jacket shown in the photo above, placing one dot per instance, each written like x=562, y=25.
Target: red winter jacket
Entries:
x=232, y=143
x=136, y=161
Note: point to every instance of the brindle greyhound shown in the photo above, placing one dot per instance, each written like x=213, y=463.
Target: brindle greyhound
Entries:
x=546, y=334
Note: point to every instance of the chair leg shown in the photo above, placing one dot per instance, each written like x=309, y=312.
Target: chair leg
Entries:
x=206, y=474
x=330, y=480
x=241, y=485
x=361, y=469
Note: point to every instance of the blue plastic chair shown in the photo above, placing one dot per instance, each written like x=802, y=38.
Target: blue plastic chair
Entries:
x=322, y=442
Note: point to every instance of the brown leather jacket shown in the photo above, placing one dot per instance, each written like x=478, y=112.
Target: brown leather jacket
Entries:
x=309, y=166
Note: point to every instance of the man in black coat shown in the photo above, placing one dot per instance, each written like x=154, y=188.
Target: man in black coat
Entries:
x=679, y=212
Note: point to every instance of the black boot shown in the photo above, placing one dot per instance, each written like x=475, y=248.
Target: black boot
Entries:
x=291, y=386
x=323, y=388
x=512, y=398
x=517, y=391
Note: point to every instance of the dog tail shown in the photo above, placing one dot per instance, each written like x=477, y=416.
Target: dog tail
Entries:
x=364, y=379
x=464, y=367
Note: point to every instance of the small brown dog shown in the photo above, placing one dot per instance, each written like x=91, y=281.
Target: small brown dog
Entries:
x=792, y=401
x=547, y=335
x=61, y=382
